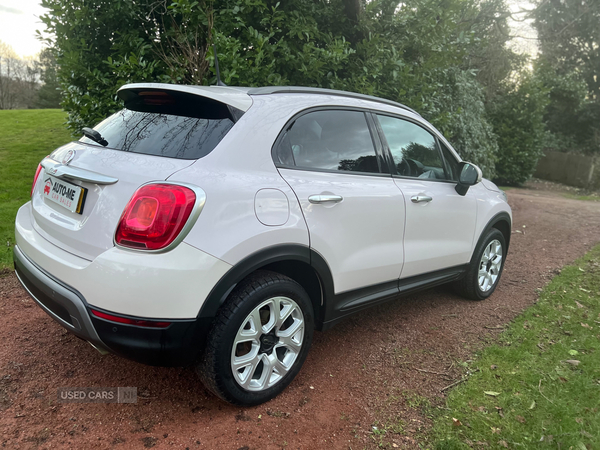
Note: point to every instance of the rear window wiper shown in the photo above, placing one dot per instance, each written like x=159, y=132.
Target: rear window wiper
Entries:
x=94, y=136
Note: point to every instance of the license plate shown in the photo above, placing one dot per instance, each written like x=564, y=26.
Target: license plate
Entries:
x=65, y=194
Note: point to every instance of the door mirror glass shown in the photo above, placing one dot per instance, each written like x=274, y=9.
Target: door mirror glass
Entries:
x=470, y=174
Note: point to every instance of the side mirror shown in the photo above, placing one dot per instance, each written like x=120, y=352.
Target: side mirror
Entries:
x=470, y=175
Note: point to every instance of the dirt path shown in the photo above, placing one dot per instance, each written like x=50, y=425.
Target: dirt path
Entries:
x=381, y=368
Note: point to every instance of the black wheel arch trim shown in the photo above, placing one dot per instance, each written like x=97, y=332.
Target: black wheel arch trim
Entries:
x=258, y=260
x=500, y=217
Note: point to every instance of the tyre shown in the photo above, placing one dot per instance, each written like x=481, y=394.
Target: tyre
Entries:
x=259, y=340
x=485, y=269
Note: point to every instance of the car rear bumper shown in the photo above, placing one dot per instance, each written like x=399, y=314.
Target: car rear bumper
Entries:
x=62, y=303
x=180, y=344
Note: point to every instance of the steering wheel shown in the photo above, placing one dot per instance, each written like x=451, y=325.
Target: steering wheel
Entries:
x=415, y=170
x=404, y=168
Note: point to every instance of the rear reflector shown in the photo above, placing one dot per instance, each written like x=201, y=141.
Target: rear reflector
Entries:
x=35, y=177
x=155, y=216
x=128, y=321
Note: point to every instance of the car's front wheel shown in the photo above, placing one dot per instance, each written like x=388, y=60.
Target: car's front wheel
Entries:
x=485, y=269
x=259, y=340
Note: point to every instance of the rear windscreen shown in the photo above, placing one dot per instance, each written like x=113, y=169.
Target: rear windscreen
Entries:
x=161, y=134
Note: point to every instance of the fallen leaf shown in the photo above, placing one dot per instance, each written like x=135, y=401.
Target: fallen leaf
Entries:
x=492, y=393
x=520, y=419
x=585, y=325
x=456, y=422
x=574, y=362
x=573, y=352
x=579, y=420
x=395, y=445
x=503, y=444
x=493, y=367
x=532, y=405
x=563, y=379
x=496, y=430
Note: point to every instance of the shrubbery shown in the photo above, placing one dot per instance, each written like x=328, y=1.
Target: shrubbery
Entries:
x=446, y=59
x=517, y=115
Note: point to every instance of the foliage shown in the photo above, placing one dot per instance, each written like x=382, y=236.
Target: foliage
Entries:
x=517, y=116
x=26, y=137
x=569, y=37
x=48, y=95
x=99, y=45
x=572, y=119
x=428, y=54
x=541, y=379
x=472, y=135
x=18, y=79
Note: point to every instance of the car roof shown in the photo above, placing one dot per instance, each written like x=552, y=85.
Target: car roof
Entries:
x=240, y=97
x=321, y=91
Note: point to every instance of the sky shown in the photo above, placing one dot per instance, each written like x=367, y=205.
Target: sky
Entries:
x=20, y=18
x=18, y=21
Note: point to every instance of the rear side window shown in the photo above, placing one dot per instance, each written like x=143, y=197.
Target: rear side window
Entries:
x=329, y=140
x=167, y=135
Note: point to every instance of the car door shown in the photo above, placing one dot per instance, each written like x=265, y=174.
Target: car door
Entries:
x=440, y=223
x=353, y=209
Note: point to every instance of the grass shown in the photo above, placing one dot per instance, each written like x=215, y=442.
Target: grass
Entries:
x=591, y=198
x=539, y=387
x=26, y=137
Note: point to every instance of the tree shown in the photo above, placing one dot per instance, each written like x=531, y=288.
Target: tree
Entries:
x=569, y=38
x=569, y=66
x=431, y=55
x=48, y=95
x=518, y=120
x=18, y=79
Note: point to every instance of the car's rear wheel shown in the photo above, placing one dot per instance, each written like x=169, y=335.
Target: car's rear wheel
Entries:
x=259, y=340
x=485, y=269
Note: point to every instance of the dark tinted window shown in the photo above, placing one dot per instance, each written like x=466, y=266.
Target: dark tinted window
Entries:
x=159, y=134
x=413, y=149
x=451, y=163
x=330, y=140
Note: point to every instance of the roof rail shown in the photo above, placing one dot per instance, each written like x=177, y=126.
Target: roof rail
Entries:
x=311, y=90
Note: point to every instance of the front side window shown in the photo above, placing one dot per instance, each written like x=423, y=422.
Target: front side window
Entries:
x=453, y=166
x=414, y=149
x=329, y=140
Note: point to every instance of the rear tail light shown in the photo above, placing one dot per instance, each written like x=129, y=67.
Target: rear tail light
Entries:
x=35, y=177
x=155, y=216
x=128, y=321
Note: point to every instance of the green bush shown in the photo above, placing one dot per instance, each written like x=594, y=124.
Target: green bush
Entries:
x=517, y=116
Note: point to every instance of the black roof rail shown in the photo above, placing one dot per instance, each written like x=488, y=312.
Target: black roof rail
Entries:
x=311, y=90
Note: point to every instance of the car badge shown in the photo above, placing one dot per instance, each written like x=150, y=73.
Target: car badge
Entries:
x=68, y=157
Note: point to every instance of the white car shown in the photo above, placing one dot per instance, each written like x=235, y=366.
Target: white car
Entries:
x=220, y=226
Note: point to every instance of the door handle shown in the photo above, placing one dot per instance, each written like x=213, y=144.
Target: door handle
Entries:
x=420, y=198
x=323, y=198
